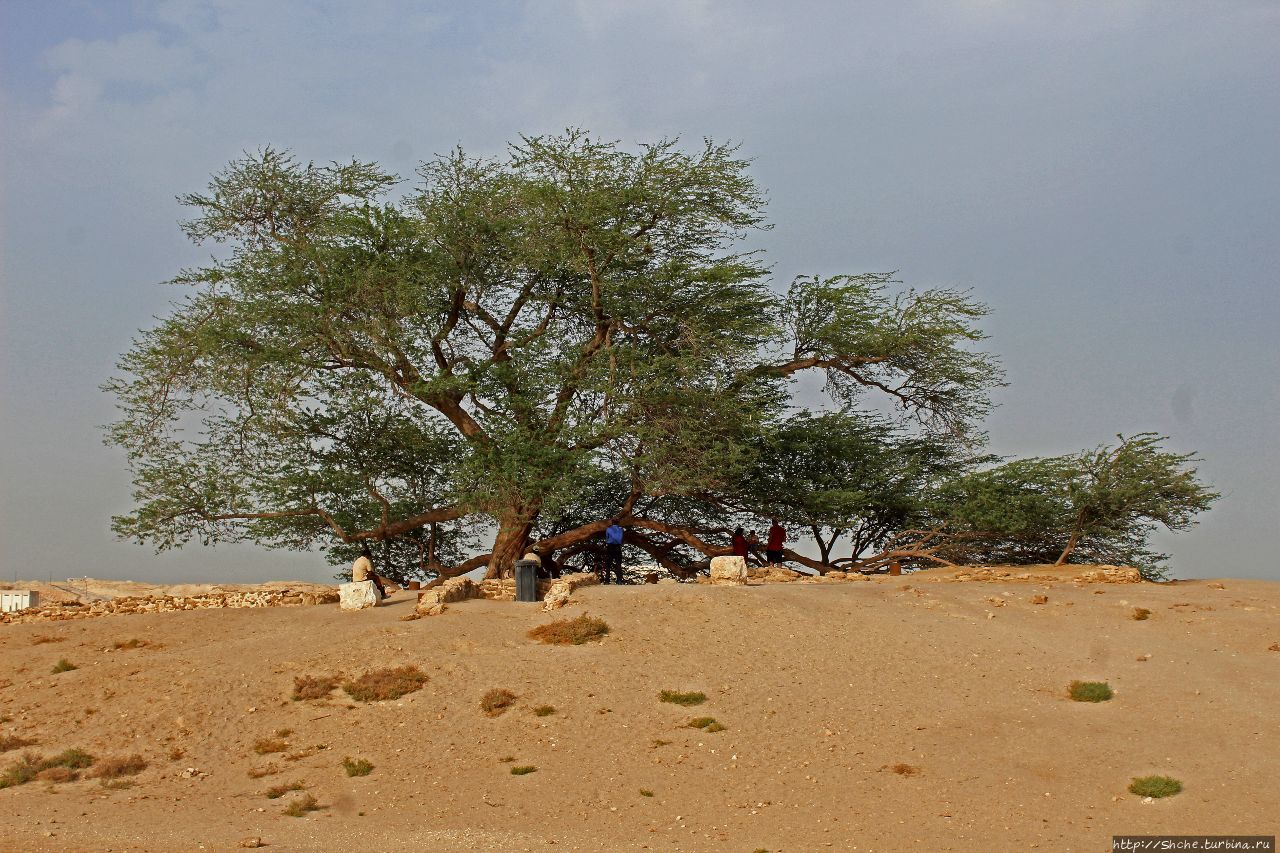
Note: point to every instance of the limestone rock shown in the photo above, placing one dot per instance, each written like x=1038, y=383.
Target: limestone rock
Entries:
x=728, y=571
x=556, y=601
x=357, y=596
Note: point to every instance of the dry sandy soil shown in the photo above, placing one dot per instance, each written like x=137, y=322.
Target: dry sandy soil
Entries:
x=822, y=690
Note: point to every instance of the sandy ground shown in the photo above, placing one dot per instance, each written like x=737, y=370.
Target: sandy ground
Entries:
x=821, y=688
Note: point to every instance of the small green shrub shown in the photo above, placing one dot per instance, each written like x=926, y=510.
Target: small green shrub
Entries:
x=701, y=722
x=63, y=665
x=275, y=792
x=21, y=771
x=357, y=767
x=677, y=698
x=523, y=770
x=645, y=792
x=1090, y=691
x=76, y=759
x=714, y=727
x=544, y=710
x=31, y=766
x=1155, y=786
x=384, y=684
x=494, y=702
x=116, y=784
x=302, y=805
x=565, y=632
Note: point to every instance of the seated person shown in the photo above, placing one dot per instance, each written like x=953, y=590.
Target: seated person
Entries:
x=362, y=570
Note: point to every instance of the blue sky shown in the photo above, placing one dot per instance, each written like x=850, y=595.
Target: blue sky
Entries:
x=1103, y=175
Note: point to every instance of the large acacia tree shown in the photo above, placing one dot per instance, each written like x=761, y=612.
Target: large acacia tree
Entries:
x=361, y=362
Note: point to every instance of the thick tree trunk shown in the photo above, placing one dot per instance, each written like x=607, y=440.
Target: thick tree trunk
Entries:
x=509, y=544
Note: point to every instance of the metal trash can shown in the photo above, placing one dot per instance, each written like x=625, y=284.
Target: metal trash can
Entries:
x=526, y=580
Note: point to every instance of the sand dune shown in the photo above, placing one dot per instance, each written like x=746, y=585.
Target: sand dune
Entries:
x=822, y=690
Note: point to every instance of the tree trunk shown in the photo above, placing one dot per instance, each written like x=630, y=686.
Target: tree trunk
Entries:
x=1071, y=546
x=508, y=545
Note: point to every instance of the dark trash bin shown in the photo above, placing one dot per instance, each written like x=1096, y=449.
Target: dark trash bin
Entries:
x=526, y=580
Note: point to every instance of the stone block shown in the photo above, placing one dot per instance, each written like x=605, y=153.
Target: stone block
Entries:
x=357, y=596
x=731, y=571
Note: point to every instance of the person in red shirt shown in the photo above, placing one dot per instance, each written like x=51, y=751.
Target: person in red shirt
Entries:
x=773, y=550
x=739, y=543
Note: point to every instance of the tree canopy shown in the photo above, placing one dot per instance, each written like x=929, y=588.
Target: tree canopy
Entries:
x=528, y=345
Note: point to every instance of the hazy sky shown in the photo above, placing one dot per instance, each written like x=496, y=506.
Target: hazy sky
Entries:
x=1104, y=175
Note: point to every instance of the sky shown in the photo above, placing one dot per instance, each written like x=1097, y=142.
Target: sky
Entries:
x=1103, y=175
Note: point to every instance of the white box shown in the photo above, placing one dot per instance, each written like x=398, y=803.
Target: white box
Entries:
x=18, y=599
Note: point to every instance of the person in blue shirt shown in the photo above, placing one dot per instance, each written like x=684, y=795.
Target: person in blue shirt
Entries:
x=613, y=551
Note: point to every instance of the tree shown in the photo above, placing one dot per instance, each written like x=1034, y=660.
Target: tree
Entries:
x=1101, y=504
x=494, y=342
x=847, y=474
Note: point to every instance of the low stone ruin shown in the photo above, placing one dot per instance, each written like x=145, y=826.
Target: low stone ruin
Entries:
x=554, y=593
x=65, y=610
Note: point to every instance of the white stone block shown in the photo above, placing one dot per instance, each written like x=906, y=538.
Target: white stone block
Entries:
x=357, y=596
x=728, y=570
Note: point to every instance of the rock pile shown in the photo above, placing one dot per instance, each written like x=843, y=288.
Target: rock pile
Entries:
x=1078, y=574
x=432, y=602
x=64, y=610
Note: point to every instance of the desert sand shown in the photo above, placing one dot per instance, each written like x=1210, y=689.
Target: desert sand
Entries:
x=823, y=690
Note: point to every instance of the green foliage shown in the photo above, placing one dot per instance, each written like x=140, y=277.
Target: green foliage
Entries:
x=847, y=474
x=1096, y=506
x=1090, y=691
x=523, y=770
x=63, y=665
x=676, y=697
x=495, y=342
x=1155, y=786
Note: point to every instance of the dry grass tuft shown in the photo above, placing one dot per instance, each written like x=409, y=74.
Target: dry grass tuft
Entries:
x=116, y=784
x=905, y=769
x=357, y=766
x=9, y=742
x=657, y=742
x=259, y=772
x=523, y=770
x=570, y=632
x=135, y=643
x=701, y=722
x=383, y=684
x=544, y=710
x=675, y=697
x=313, y=686
x=63, y=665
x=1141, y=614
x=58, y=774
x=494, y=702
x=645, y=792
x=275, y=792
x=114, y=768
x=176, y=753
x=266, y=746
x=302, y=805
x=41, y=639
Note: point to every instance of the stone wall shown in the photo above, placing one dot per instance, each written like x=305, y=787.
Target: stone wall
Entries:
x=61, y=611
